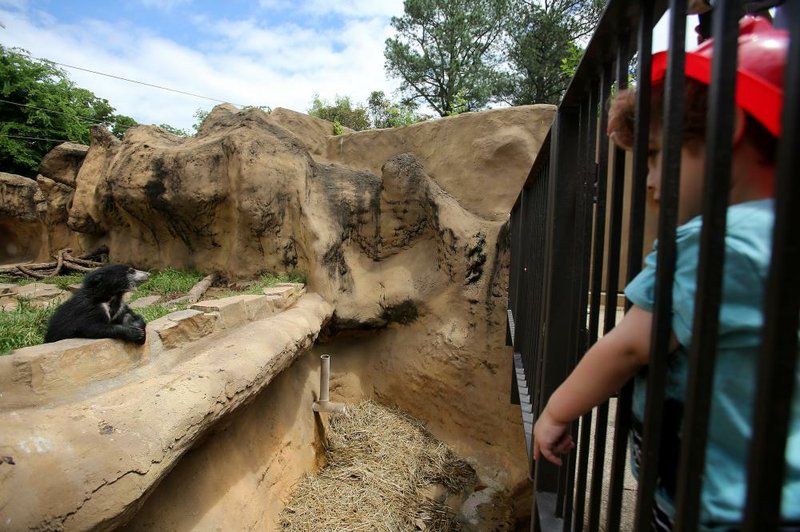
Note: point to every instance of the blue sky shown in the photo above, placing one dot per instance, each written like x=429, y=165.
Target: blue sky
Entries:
x=276, y=53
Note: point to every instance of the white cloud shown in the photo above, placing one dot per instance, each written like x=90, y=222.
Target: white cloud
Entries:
x=164, y=5
x=241, y=61
x=357, y=8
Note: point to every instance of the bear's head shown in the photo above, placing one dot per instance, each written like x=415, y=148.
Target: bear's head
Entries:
x=113, y=280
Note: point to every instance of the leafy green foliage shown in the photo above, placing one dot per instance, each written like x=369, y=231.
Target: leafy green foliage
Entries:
x=342, y=111
x=385, y=114
x=543, y=53
x=23, y=327
x=446, y=52
x=570, y=62
x=199, y=116
x=266, y=108
x=41, y=108
x=174, y=130
x=122, y=124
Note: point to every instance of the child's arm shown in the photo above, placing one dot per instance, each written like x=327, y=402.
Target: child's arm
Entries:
x=605, y=368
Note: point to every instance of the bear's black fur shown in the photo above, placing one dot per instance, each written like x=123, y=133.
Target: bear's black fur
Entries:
x=97, y=309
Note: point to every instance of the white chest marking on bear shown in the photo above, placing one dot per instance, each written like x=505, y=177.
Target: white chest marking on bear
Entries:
x=107, y=310
x=120, y=309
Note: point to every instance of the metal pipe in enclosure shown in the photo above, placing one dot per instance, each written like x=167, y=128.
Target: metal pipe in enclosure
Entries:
x=324, y=378
x=324, y=404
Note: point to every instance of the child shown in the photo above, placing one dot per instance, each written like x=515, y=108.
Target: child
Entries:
x=621, y=353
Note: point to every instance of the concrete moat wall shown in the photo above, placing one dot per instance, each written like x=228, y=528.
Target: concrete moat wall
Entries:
x=241, y=475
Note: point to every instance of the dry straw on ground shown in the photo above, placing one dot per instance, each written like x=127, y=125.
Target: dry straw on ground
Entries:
x=381, y=464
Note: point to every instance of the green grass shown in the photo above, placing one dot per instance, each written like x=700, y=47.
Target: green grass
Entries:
x=167, y=282
x=268, y=281
x=153, y=312
x=23, y=327
x=61, y=281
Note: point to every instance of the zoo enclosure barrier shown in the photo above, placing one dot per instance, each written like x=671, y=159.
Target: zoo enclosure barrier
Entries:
x=566, y=250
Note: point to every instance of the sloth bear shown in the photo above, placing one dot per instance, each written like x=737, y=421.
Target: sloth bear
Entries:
x=97, y=309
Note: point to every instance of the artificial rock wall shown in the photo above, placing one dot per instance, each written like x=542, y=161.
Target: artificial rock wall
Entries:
x=402, y=232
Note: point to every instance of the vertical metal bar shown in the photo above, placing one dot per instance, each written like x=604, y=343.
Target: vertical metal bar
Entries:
x=560, y=291
x=513, y=286
x=617, y=475
x=516, y=260
x=641, y=142
x=590, y=177
x=539, y=205
x=703, y=351
x=537, y=267
x=778, y=358
x=665, y=263
x=574, y=501
x=635, y=235
x=601, y=415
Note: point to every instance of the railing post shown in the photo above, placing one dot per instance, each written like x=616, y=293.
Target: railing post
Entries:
x=703, y=352
x=778, y=358
x=559, y=297
x=601, y=412
x=665, y=267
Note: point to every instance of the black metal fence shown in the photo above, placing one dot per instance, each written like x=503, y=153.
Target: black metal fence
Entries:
x=566, y=231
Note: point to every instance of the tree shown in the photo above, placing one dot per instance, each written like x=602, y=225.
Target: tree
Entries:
x=40, y=108
x=342, y=112
x=543, y=48
x=174, y=130
x=446, y=54
x=122, y=124
x=199, y=116
x=384, y=114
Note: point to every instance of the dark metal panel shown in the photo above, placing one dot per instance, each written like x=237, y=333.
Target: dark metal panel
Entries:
x=641, y=143
x=559, y=298
x=703, y=352
x=778, y=357
x=516, y=260
x=601, y=412
x=528, y=303
x=665, y=267
x=513, y=283
x=579, y=257
x=635, y=243
x=537, y=264
x=617, y=473
x=589, y=142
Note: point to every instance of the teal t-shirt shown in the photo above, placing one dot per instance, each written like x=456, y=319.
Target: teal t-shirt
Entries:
x=748, y=244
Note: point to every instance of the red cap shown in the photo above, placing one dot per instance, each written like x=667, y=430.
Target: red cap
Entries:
x=759, y=80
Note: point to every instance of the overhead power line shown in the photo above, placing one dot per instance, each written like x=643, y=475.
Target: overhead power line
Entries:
x=82, y=118
x=39, y=138
x=144, y=83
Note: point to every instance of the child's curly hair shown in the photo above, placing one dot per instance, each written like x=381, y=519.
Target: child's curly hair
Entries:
x=622, y=118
